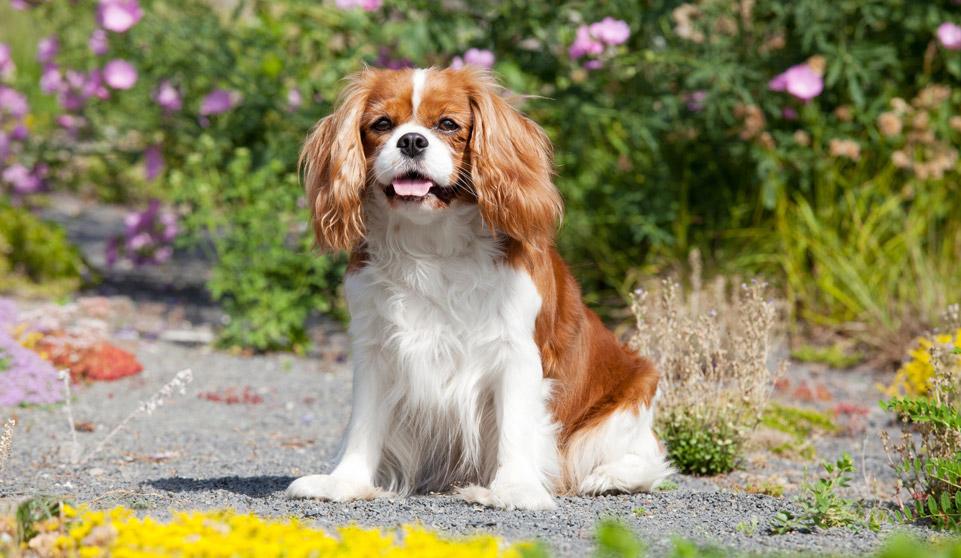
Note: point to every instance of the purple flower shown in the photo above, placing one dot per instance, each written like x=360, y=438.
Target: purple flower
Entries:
x=26, y=378
x=949, y=35
x=120, y=74
x=800, y=81
x=695, y=100
x=584, y=44
x=218, y=101
x=47, y=49
x=611, y=31
x=19, y=133
x=19, y=5
x=386, y=60
x=118, y=15
x=13, y=102
x=22, y=180
x=594, y=64
x=98, y=42
x=153, y=159
x=93, y=85
x=294, y=99
x=168, y=97
x=70, y=122
x=366, y=5
x=789, y=113
x=7, y=67
x=147, y=235
x=51, y=81
x=4, y=146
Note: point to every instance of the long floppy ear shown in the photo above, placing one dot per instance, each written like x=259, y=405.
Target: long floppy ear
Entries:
x=335, y=172
x=511, y=167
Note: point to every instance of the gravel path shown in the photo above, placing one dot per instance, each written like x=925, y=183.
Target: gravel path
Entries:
x=194, y=453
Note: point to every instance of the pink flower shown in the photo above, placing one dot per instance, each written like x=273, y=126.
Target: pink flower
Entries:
x=98, y=42
x=294, y=99
x=695, y=100
x=593, y=64
x=789, y=113
x=800, y=80
x=153, y=160
x=949, y=35
x=366, y=5
x=47, y=49
x=22, y=180
x=168, y=97
x=118, y=15
x=610, y=31
x=13, y=102
x=120, y=74
x=584, y=44
x=19, y=5
x=51, y=81
x=481, y=58
x=7, y=66
x=218, y=101
x=93, y=86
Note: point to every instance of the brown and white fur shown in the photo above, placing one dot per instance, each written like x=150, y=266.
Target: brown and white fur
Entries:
x=476, y=363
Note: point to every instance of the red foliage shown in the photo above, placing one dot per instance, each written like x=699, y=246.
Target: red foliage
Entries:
x=100, y=361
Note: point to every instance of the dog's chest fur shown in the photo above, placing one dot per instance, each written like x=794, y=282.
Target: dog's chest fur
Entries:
x=443, y=315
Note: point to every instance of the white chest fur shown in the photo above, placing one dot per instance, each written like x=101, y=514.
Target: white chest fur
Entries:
x=439, y=320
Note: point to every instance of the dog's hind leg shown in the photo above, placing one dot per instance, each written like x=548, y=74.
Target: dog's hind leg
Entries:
x=619, y=454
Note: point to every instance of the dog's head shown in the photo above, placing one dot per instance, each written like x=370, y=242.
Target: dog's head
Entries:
x=420, y=141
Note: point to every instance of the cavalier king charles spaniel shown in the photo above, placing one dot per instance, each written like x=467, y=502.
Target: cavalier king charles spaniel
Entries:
x=476, y=365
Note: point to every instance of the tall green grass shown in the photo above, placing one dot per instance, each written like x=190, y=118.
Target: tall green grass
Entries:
x=879, y=260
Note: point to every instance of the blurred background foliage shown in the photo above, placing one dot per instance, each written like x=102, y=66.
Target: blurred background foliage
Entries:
x=837, y=180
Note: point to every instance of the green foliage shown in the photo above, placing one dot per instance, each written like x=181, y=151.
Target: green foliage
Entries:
x=647, y=173
x=698, y=446
x=834, y=356
x=267, y=276
x=931, y=473
x=35, y=256
x=667, y=486
x=615, y=540
x=821, y=504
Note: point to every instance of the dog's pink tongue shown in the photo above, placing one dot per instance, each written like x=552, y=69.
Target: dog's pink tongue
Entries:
x=411, y=186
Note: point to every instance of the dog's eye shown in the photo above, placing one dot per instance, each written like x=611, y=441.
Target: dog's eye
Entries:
x=448, y=125
x=382, y=124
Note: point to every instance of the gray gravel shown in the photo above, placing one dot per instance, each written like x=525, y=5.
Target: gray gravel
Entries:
x=193, y=453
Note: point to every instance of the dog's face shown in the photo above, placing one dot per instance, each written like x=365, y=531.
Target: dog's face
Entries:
x=417, y=142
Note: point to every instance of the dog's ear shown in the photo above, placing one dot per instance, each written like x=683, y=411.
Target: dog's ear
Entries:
x=511, y=167
x=335, y=171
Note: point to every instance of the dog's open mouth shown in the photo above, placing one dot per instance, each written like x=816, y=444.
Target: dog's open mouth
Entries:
x=415, y=187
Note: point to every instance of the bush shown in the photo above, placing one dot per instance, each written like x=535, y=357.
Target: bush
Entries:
x=36, y=257
x=711, y=348
x=267, y=277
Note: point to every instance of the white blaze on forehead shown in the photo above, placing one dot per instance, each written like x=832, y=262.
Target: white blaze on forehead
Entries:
x=420, y=78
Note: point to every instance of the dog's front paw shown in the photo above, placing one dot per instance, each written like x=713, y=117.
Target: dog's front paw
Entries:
x=510, y=496
x=335, y=489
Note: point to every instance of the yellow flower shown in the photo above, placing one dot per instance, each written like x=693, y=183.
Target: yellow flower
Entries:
x=914, y=377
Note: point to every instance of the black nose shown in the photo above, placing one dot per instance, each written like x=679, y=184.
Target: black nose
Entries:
x=412, y=144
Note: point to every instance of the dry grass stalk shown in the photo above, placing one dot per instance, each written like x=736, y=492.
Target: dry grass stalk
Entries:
x=75, y=451
x=147, y=407
x=6, y=441
x=711, y=347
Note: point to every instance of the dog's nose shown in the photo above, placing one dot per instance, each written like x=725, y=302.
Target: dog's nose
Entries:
x=412, y=144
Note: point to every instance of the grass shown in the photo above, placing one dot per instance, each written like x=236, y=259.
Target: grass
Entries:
x=835, y=356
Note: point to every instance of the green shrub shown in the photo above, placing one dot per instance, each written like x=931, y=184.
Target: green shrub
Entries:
x=35, y=256
x=267, y=276
x=701, y=447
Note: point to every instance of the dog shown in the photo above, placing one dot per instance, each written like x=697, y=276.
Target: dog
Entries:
x=476, y=365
